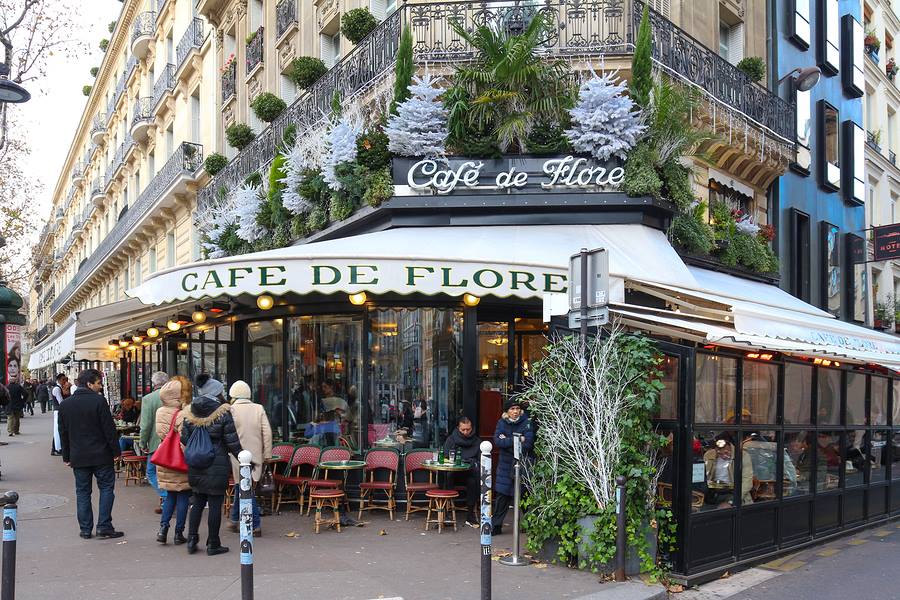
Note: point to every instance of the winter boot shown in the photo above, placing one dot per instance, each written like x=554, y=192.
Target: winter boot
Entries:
x=178, y=538
x=192, y=541
x=163, y=534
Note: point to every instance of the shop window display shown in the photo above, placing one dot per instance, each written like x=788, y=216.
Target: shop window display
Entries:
x=857, y=458
x=716, y=389
x=266, y=367
x=856, y=399
x=829, y=460
x=798, y=461
x=878, y=459
x=760, y=392
x=829, y=410
x=760, y=455
x=798, y=380
x=713, y=472
x=878, y=395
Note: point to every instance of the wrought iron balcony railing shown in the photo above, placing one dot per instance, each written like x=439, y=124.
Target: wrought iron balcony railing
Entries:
x=88, y=211
x=191, y=40
x=78, y=171
x=144, y=25
x=117, y=95
x=164, y=84
x=98, y=124
x=255, y=50
x=97, y=187
x=579, y=29
x=872, y=141
x=285, y=16
x=229, y=81
x=143, y=111
x=184, y=162
x=892, y=156
x=160, y=5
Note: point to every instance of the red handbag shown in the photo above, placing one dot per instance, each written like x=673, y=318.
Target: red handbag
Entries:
x=169, y=455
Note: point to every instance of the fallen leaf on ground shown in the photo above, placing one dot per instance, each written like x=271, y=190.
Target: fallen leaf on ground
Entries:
x=725, y=575
x=676, y=588
x=120, y=543
x=540, y=565
x=382, y=532
x=291, y=534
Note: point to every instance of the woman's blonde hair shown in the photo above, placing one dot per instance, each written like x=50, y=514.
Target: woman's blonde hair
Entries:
x=186, y=389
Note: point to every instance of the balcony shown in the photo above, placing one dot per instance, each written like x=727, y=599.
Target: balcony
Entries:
x=872, y=140
x=229, y=82
x=117, y=95
x=141, y=118
x=188, y=46
x=173, y=179
x=98, y=128
x=285, y=17
x=581, y=33
x=164, y=84
x=98, y=196
x=130, y=69
x=60, y=215
x=78, y=227
x=45, y=331
x=77, y=173
x=255, y=51
x=892, y=157
x=160, y=7
x=143, y=33
x=88, y=212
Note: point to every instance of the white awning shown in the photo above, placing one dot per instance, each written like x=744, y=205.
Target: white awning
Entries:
x=507, y=261
x=54, y=348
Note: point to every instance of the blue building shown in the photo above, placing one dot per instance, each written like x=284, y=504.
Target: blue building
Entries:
x=818, y=204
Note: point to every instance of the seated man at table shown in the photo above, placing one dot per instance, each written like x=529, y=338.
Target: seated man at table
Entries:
x=464, y=441
x=129, y=413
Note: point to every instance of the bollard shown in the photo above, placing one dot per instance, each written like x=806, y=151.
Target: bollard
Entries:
x=246, y=521
x=514, y=560
x=487, y=497
x=620, y=529
x=10, y=523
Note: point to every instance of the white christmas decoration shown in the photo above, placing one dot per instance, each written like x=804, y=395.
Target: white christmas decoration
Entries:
x=214, y=224
x=420, y=126
x=746, y=225
x=295, y=164
x=341, y=148
x=606, y=122
x=246, y=203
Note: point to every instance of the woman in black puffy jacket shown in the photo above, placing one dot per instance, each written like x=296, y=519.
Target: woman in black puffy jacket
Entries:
x=209, y=484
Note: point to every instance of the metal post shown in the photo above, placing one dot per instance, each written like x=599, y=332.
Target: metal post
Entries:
x=486, y=514
x=10, y=524
x=514, y=559
x=584, y=300
x=246, y=521
x=620, y=528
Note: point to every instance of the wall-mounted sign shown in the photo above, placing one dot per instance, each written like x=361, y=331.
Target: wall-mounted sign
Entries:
x=13, y=354
x=511, y=174
x=887, y=242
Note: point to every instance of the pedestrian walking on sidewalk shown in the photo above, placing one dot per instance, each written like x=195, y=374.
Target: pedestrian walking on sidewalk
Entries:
x=56, y=399
x=175, y=396
x=90, y=445
x=211, y=413
x=16, y=408
x=29, y=386
x=255, y=435
x=43, y=394
x=149, y=441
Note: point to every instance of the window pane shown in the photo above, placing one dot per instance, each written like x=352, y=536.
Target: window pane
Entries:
x=493, y=352
x=797, y=462
x=856, y=399
x=712, y=471
x=716, y=389
x=797, y=393
x=266, y=367
x=832, y=269
x=223, y=333
x=804, y=117
x=879, y=456
x=832, y=142
x=760, y=391
x=896, y=404
x=857, y=457
x=895, y=456
x=829, y=397
x=828, y=460
x=760, y=462
x=878, y=395
x=801, y=20
x=668, y=396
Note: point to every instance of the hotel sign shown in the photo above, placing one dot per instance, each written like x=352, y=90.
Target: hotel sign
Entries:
x=887, y=242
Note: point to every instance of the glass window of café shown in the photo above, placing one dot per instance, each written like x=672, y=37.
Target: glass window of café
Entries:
x=204, y=350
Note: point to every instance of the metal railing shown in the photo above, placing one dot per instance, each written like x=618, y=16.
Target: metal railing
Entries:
x=191, y=40
x=255, y=50
x=160, y=5
x=872, y=141
x=117, y=95
x=285, y=16
x=88, y=211
x=229, y=81
x=118, y=160
x=98, y=124
x=892, y=156
x=60, y=214
x=164, y=84
x=78, y=171
x=143, y=111
x=46, y=330
x=578, y=30
x=184, y=162
x=130, y=68
x=144, y=25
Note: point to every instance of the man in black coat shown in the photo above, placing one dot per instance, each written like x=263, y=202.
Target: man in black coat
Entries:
x=464, y=441
x=43, y=395
x=16, y=408
x=90, y=444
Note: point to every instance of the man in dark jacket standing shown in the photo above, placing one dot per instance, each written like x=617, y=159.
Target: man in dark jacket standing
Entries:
x=43, y=395
x=464, y=441
x=89, y=445
x=16, y=408
x=513, y=422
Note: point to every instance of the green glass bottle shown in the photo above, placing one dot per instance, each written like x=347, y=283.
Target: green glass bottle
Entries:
x=441, y=456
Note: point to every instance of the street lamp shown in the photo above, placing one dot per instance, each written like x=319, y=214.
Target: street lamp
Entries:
x=13, y=93
x=805, y=78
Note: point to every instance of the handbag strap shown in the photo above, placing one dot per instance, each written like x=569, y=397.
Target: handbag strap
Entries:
x=175, y=416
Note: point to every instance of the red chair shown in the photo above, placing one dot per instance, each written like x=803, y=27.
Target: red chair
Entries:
x=304, y=456
x=379, y=460
x=317, y=483
x=412, y=464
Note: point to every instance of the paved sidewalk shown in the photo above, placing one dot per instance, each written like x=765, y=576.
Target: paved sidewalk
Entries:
x=358, y=564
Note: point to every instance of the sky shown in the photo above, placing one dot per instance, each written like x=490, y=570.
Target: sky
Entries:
x=50, y=118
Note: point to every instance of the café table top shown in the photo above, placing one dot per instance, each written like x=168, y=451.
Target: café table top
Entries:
x=275, y=459
x=345, y=465
x=446, y=466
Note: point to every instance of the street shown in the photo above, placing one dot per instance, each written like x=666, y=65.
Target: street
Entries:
x=291, y=561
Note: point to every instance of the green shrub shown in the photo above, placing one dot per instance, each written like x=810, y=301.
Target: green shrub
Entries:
x=314, y=188
x=86, y=90
x=642, y=63
x=403, y=69
x=748, y=251
x=112, y=26
x=277, y=213
x=251, y=37
x=753, y=66
x=641, y=178
x=214, y=163
x=267, y=106
x=239, y=135
x=290, y=136
x=318, y=219
x=676, y=180
x=104, y=44
x=306, y=70
x=547, y=139
x=380, y=188
x=691, y=232
x=94, y=71
x=357, y=24
x=372, y=149
x=254, y=179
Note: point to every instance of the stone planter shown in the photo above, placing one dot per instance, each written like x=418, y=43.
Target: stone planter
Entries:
x=632, y=558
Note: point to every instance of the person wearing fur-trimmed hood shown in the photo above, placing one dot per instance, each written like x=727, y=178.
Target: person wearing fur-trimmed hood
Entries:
x=514, y=421
x=210, y=412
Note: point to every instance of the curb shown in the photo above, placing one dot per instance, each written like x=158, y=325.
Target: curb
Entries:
x=631, y=590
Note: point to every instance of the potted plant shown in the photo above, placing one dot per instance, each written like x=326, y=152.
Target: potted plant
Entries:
x=872, y=45
x=890, y=69
x=884, y=314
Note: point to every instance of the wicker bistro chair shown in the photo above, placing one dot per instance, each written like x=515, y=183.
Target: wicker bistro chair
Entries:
x=379, y=460
x=305, y=457
x=134, y=468
x=412, y=464
x=318, y=483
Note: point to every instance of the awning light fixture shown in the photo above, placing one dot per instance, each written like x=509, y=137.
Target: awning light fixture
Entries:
x=218, y=308
x=198, y=316
x=265, y=302
x=152, y=331
x=124, y=342
x=358, y=299
x=173, y=325
x=471, y=300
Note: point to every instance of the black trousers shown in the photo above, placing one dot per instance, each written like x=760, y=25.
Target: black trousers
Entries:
x=213, y=520
x=471, y=479
x=501, y=507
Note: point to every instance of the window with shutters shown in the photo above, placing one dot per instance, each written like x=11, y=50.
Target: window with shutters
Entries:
x=288, y=89
x=330, y=48
x=379, y=9
x=731, y=36
x=195, y=116
x=151, y=259
x=662, y=7
x=829, y=42
x=170, y=249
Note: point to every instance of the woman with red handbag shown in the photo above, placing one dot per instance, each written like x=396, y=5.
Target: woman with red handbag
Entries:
x=175, y=395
